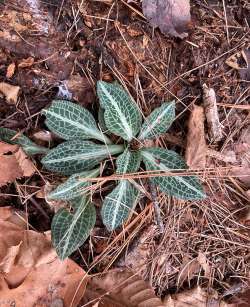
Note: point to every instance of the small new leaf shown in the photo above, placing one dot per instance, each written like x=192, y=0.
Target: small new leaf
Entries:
x=13, y=137
x=73, y=186
x=75, y=156
x=184, y=187
x=118, y=204
x=69, y=231
x=122, y=116
x=128, y=162
x=69, y=120
x=158, y=121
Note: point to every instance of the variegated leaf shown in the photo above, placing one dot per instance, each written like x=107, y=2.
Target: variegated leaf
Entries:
x=122, y=116
x=75, y=156
x=73, y=186
x=69, y=120
x=13, y=137
x=70, y=230
x=158, y=121
x=128, y=162
x=118, y=204
x=184, y=187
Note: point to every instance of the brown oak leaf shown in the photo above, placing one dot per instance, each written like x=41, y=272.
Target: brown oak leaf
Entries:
x=171, y=16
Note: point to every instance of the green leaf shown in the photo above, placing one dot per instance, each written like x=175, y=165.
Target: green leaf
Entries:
x=69, y=120
x=122, y=116
x=128, y=162
x=184, y=187
x=76, y=156
x=158, y=121
x=69, y=231
x=118, y=204
x=101, y=121
x=13, y=137
x=73, y=186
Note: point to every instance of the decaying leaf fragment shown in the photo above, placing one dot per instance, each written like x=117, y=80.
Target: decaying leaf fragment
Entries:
x=31, y=274
x=211, y=112
x=13, y=163
x=120, y=288
x=196, y=144
x=196, y=297
x=10, y=92
x=172, y=17
x=233, y=61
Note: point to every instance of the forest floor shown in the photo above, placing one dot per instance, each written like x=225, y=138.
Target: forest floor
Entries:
x=63, y=49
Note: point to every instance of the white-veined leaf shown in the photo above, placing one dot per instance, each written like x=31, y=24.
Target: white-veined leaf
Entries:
x=122, y=116
x=118, y=204
x=128, y=162
x=184, y=187
x=158, y=121
x=73, y=186
x=69, y=120
x=13, y=137
x=70, y=230
x=76, y=156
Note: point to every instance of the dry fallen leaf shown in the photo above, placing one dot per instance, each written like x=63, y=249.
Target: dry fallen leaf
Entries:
x=14, y=163
x=172, y=17
x=242, y=150
x=120, y=288
x=10, y=92
x=26, y=62
x=31, y=273
x=211, y=112
x=196, y=144
x=234, y=60
x=188, y=270
x=196, y=297
x=10, y=70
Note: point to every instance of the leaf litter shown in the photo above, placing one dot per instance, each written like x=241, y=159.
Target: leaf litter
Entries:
x=14, y=164
x=31, y=273
x=213, y=227
x=172, y=17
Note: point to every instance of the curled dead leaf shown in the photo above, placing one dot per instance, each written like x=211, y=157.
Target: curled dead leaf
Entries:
x=10, y=92
x=120, y=288
x=29, y=265
x=196, y=144
x=172, y=17
x=14, y=163
x=26, y=62
x=234, y=62
x=10, y=70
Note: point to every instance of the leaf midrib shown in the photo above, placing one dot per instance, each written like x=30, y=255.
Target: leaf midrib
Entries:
x=153, y=125
x=112, y=100
x=88, y=132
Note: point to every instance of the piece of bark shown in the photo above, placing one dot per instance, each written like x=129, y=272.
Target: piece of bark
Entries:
x=196, y=144
x=211, y=112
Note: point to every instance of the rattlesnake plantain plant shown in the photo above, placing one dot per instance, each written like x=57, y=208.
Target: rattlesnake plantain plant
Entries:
x=80, y=155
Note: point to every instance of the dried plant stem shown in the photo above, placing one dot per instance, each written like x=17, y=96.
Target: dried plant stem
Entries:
x=157, y=211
